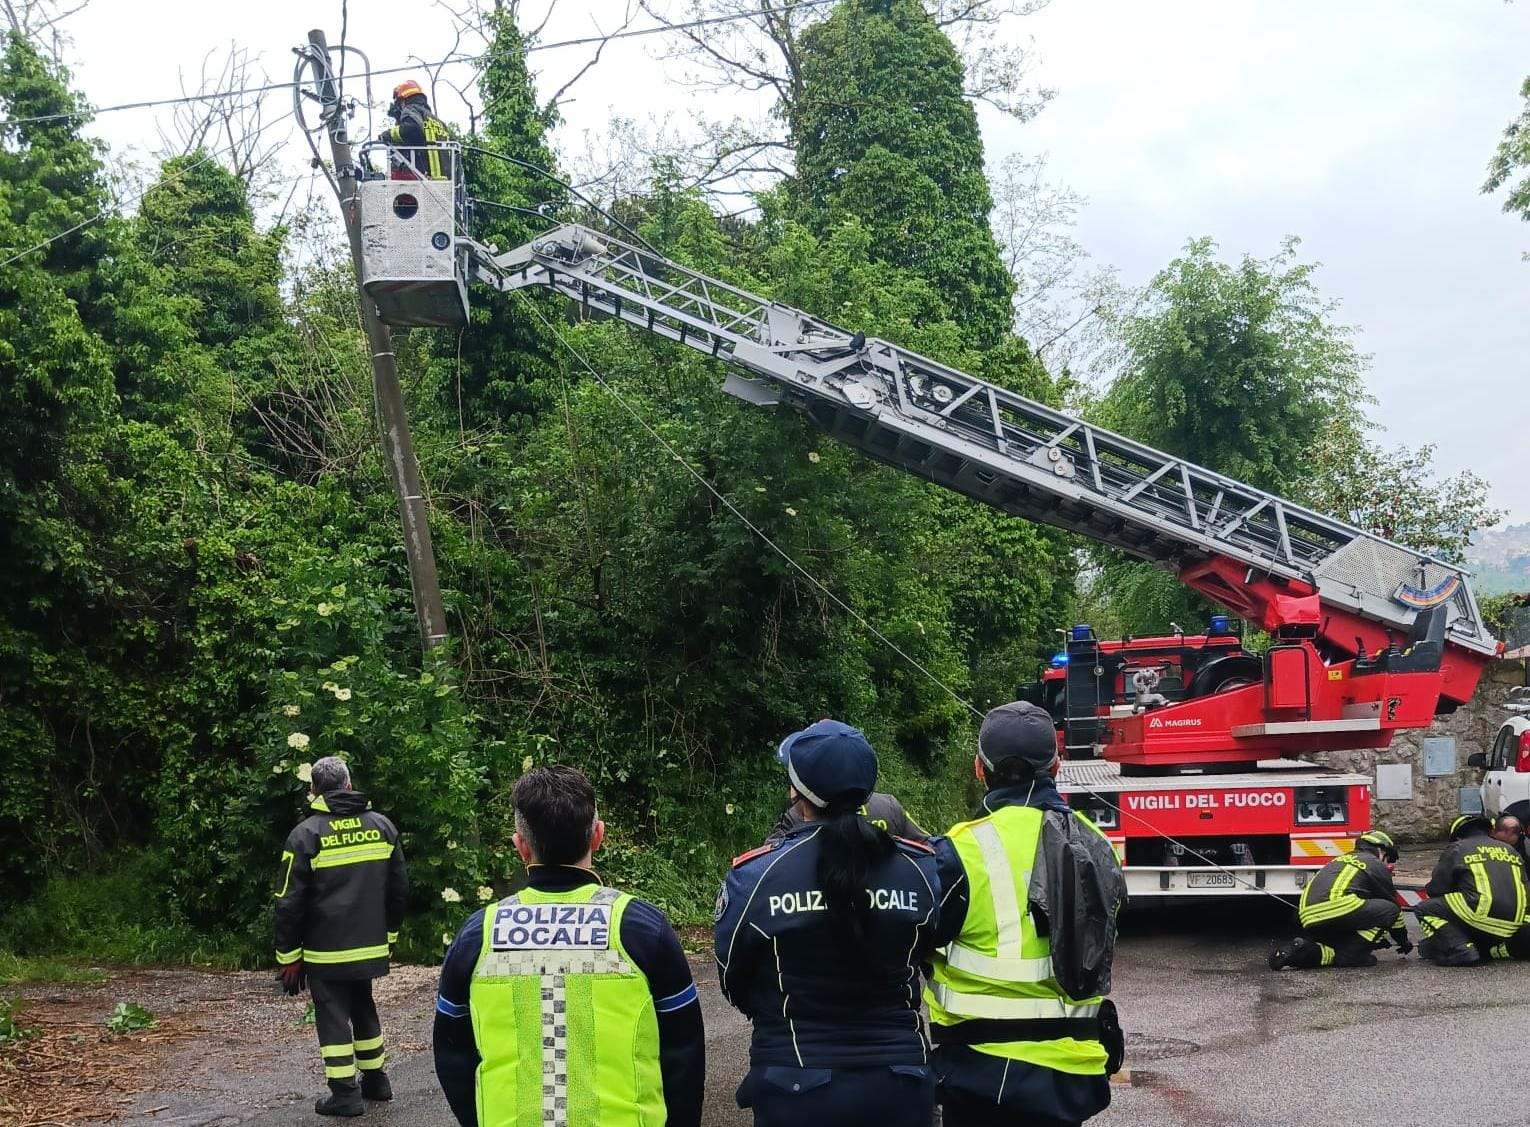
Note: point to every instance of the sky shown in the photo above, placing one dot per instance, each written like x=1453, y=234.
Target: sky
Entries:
x=1362, y=127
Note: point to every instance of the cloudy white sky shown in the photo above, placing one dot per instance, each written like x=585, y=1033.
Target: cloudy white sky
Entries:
x=1363, y=127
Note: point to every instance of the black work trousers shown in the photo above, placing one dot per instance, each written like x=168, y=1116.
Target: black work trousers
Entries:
x=1446, y=935
x=1349, y=940
x=350, y=1033
x=890, y=1096
x=959, y=1110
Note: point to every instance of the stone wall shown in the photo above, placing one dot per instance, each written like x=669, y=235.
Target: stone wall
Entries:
x=1436, y=801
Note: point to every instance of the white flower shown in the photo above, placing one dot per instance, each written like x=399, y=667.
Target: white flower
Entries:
x=325, y=610
x=485, y=894
x=728, y=808
x=451, y=845
x=791, y=512
x=290, y=710
x=813, y=455
x=279, y=768
x=446, y=939
x=451, y=896
x=305, y=772
x=342, y=694
x=330, y=686
x=298, y=740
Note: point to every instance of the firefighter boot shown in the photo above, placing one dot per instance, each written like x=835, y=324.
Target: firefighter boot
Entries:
x=1299, y=954
x=344, y=1100
x=375, y=1086
x=1464, y=955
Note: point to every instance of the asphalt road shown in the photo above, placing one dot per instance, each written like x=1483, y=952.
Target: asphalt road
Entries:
x=1216, y=1039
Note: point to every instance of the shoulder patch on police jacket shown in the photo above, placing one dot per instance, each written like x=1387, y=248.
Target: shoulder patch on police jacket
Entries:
x=768, y=847
x=913, y=843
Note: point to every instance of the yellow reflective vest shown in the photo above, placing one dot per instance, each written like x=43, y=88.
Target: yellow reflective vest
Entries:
x=998, y=970
x=563, y=1019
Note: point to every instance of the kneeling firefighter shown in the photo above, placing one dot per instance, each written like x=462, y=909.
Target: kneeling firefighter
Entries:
x=1476, y=902
x=1349, y=910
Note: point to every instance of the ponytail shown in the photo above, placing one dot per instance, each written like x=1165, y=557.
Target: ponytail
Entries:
x=848, y=848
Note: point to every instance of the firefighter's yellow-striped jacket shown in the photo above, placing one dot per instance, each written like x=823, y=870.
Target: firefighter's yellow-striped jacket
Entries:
x=340, y=889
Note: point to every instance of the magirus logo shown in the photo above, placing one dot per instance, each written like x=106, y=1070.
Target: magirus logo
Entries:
x=1160, y=722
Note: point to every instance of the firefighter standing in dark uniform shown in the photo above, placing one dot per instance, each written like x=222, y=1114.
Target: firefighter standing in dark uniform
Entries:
x=1476, y=899
x=819, y=935
x=1348, y=910
x=340, y=893
x=416, y=136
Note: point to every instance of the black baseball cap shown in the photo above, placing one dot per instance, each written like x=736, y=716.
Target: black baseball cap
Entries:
x=1019, y=730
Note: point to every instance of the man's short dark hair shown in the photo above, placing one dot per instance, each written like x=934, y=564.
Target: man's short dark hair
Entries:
x=1505, y=819
x=1010, y=772
x=555, y=813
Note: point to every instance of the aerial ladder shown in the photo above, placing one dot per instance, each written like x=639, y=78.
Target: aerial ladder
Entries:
x=1369, y=637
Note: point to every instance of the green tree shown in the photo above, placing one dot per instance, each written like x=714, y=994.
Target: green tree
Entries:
x=1238, y=367
x=1396, y=493
x=883, y=134
x=1510, y=166
x=504, y=367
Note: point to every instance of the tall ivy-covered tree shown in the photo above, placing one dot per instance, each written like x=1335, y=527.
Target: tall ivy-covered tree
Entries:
x=56, y=403
x=884, y=135
x=507, y=366
x=886, y=140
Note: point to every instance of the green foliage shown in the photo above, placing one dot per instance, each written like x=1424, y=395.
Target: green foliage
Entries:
x=11, y=1029
x=1395, y=494
x=1510, y=166
x=1238, y=367
x=208, y=589
x=884, y=135
x=117, y=913
x=129, y=1017
x=47, y=969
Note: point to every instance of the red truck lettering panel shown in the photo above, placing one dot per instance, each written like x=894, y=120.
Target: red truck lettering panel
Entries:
x=1250, y=811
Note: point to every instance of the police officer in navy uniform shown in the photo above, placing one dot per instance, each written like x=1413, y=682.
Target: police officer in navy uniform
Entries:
x=881, y=810
x=819, y=936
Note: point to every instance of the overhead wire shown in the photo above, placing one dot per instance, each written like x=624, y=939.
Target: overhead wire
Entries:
x=136, y=197
x=531, y=48
x=669, y=448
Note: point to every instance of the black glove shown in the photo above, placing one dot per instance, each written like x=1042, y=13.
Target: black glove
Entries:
x=1404, y=944
x=293, y=978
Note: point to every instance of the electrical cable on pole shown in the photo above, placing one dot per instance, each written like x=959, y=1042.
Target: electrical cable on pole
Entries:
x=369, y=73
x=392, y=419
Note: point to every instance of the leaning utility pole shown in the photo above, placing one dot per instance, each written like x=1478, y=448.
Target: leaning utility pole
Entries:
x=392, y=422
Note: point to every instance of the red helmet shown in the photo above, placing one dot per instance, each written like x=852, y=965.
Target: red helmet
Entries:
x=406, y=90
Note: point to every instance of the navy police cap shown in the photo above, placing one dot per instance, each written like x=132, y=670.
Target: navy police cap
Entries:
x=830, y=762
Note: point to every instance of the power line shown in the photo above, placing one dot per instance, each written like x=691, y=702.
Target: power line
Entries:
x=137, y=196
x=585, y=41
x=870, y=628
x=723, y=500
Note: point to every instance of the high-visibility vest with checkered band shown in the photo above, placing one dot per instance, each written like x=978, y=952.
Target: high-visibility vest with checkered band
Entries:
x=999, y=969
x=563, y=1019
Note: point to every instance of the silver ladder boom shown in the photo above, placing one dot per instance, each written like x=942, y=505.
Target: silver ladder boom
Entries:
x=998, y=447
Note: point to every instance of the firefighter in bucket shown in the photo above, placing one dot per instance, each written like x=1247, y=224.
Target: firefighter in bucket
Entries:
x=415, y=150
